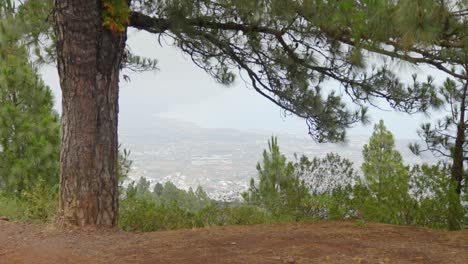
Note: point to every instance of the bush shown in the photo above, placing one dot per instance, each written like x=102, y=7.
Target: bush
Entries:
x=145, y=214
x=168, y=207
x=41, y=202
x=10, y=207
x=37, y=205
x=434, y=193
x=424, y=202
x=38, y=200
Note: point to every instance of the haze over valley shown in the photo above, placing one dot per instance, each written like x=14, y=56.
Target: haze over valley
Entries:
x=222, y=161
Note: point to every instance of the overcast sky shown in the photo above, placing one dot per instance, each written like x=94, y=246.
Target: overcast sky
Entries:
x=182, y=91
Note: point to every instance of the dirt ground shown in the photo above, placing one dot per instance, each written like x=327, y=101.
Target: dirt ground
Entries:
x=324, y=242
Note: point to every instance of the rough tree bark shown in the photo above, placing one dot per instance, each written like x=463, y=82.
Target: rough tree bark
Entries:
x=459, y=152
x=89, y=59
x=458, y=156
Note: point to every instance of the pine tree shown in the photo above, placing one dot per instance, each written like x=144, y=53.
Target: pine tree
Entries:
x=447, y=137
x=431, y=33
x=434, y=192
x=29, y=127
x=381, y=160
x=441, y=32
x=386, y=178
x=279, y=189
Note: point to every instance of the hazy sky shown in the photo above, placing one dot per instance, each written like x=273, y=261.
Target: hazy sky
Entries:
x=182, y=91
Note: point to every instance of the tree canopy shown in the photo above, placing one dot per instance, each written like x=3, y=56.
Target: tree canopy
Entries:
x=288, y=50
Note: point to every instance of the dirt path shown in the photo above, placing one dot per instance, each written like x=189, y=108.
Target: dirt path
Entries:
x=326, y=242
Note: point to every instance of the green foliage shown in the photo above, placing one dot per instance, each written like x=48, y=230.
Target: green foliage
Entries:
x=169, y=194
x=29, y=127
x=434, y=193
x=191, y=201
x=421, y=21
x=138, y=63
x=10, y=207
x=446, y=137
x=389, y=192
x=29, y=23
x=384, y=193
x=329, y=181
x=361, y=223
x=124, y=165
x=38, y=204
x=146, y=214
x=288, y=50
x=280, y=191
x=393, y=193
x=340, y=205
x=38, y=201
x=167, y=207
x=381, y=161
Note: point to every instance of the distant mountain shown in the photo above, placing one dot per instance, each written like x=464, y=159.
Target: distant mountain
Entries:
x=222, y=161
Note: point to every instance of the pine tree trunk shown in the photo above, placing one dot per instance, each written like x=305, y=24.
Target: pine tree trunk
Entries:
x=458, y=157
x=455, y=207
x=89, y=59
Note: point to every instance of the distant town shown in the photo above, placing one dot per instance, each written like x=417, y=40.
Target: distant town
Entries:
x=222, y=161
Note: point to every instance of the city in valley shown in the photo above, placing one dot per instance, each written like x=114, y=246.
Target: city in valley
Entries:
x=222, y=161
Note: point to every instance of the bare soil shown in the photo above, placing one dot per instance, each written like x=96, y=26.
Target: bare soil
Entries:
x=324, y=242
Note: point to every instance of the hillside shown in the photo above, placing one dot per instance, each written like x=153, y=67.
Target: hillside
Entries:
x=222, y=161
x=325, y=242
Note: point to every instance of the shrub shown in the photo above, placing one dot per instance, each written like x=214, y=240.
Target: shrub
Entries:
x=145, y=214
x=37, y=205
x=168, y=207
